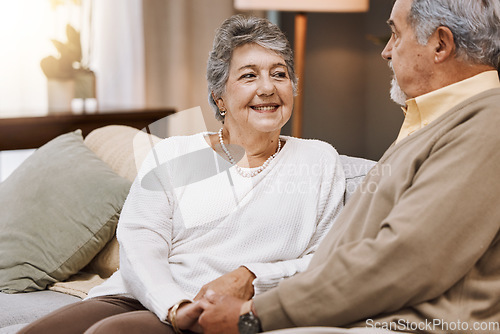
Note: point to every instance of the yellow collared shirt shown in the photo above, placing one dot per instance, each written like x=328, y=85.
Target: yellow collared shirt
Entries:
x=426, y=108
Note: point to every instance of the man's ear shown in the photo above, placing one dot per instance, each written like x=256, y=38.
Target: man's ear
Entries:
x=446, y=44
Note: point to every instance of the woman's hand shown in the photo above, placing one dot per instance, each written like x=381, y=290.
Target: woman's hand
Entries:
x=187, y=315
x=237, y=283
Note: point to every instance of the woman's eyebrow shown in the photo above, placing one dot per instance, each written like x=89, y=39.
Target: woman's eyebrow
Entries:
x=247, y=66
x=279, y=64
x=251, y=66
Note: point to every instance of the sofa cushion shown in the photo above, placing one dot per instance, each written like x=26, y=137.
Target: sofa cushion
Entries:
x=355, y=170
x=13, y=329
x=59, y=209
x=23, y=308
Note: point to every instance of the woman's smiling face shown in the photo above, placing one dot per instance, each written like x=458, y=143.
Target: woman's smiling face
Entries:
x=259, y=93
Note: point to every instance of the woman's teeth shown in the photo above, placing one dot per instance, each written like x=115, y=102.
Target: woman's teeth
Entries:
x=269, y=108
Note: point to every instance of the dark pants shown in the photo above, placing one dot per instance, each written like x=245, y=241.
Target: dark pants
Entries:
x=104, y=315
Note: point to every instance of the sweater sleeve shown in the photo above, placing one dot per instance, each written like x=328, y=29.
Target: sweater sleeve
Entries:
x=330, y=202
x=144, y=233
x=440, y=227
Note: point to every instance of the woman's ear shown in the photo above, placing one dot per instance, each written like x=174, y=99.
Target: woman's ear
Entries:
x=446, y=44
x=218, y=101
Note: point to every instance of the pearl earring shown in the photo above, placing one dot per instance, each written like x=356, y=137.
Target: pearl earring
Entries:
x=222, y=112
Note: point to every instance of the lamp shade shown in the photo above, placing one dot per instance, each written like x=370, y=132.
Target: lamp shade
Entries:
x=304, y=5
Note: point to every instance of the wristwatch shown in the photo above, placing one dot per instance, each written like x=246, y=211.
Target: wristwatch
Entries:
x=249, y=323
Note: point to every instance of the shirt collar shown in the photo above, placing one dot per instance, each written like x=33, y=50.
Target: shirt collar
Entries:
x=430, y=106
x=426, y=108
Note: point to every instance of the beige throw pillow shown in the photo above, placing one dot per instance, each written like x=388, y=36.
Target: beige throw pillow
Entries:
x=124, y=149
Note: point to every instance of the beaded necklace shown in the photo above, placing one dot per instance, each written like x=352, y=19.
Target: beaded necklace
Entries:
x=238, y=168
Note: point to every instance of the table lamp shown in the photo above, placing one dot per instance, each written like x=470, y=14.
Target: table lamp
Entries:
x=301, y=7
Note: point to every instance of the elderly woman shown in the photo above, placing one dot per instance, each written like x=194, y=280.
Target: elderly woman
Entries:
x=255, y=221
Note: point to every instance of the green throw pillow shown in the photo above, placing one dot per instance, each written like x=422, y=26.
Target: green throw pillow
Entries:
x=58, y=210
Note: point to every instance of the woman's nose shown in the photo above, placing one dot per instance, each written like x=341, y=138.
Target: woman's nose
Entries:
x=266, y=87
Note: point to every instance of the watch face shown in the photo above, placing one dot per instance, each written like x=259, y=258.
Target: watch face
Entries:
x=248, y=324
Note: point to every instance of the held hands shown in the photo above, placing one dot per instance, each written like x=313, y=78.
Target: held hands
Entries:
x=220, y=313
x=213, y=314
x=217, y=305
x=237, y=283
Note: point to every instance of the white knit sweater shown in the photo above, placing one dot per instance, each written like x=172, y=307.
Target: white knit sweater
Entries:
x=190, y=218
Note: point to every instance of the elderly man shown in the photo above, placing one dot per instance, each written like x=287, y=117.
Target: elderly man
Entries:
x=416, y=249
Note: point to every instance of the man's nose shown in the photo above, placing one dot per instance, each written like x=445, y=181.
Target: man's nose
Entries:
x=387, y=51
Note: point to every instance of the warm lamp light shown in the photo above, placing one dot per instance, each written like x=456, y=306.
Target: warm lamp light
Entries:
x=301, y=7
x=304, y=5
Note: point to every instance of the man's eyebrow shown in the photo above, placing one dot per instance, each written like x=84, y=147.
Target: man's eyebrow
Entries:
x=392, y=25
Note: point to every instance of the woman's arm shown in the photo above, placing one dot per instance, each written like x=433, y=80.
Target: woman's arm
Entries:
x=144, y=233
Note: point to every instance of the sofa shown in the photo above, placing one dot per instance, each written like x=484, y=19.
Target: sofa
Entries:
x=112, y=154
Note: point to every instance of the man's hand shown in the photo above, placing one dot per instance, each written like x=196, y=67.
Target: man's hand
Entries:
x=237, y=283
x=187, y=317
x=220, y=313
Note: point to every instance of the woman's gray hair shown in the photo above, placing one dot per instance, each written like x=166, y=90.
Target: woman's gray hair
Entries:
x=475, y=25
x=236, y=31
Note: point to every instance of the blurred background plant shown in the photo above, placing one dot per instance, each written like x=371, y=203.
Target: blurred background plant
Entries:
x=71, y=63
x=65, y=65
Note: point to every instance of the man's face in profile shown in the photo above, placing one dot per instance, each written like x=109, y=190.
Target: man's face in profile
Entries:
x=411, y=62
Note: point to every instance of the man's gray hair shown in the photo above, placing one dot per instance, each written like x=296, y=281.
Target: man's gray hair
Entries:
x=475, y=25
x=236, y=31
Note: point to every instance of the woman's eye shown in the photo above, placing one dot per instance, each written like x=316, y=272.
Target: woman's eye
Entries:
x=280, y=74
x=248, y=76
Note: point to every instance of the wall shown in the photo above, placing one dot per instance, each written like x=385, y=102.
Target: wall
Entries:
x=347, y=82
x=383, y=117
x=178, y=38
